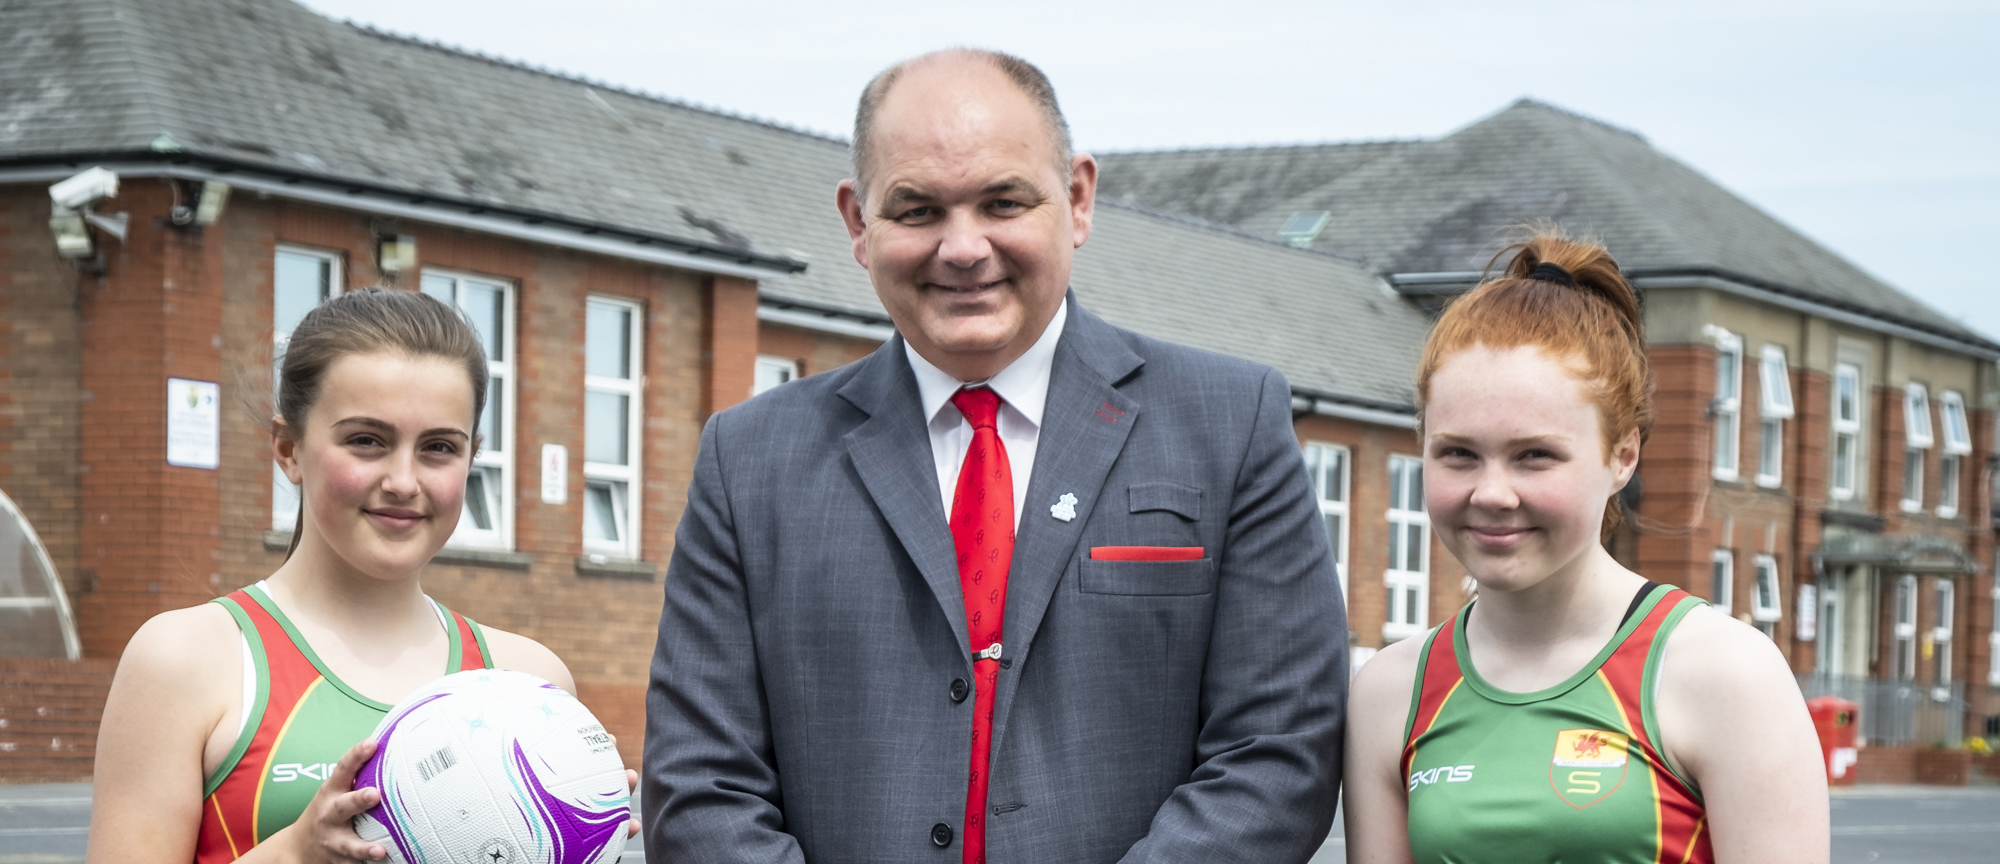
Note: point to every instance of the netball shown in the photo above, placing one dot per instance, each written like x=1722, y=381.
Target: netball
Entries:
x=496, y=767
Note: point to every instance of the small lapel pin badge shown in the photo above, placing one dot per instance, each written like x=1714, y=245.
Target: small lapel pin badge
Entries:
x=1065, y=507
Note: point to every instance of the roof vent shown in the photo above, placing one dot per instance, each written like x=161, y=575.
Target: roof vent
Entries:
x=1303, y=227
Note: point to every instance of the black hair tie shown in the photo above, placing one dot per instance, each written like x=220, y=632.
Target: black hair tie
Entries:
x=1548, y=272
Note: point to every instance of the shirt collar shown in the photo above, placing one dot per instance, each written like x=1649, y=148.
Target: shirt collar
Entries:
x=1024, y=384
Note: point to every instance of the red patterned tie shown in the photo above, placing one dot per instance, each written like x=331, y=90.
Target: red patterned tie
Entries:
x=982, y=531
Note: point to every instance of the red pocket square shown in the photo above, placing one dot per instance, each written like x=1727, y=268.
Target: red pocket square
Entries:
x=1145, y=553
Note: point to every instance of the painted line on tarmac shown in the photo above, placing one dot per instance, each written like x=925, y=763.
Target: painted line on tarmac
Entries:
x=1940, y=829
x=63, y=831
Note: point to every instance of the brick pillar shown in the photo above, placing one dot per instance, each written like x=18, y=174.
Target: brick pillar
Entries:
x=1675, y=472
x=1806, y=472
x=150, y=532
x=729, y=356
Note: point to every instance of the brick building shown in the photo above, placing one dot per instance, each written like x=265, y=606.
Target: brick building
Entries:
x=1823, y=462
x=637, y=263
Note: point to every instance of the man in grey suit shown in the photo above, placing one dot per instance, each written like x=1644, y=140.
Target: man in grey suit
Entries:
x=850, y=670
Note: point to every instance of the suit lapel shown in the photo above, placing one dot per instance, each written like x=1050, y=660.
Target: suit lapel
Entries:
x=1084, y=428
x=891, y=451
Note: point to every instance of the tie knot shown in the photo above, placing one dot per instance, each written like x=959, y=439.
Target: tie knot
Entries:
x=980, y=406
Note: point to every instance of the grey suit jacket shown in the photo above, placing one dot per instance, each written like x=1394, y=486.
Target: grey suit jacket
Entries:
x=801, y=705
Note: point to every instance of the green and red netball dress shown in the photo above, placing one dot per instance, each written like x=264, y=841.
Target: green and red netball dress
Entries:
x=298, y=722
x=1568, y=774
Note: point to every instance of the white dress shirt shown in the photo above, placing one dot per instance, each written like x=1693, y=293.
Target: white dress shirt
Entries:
x=1024, y=391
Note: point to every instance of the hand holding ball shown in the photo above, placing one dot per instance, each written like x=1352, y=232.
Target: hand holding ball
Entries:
x=495, y=767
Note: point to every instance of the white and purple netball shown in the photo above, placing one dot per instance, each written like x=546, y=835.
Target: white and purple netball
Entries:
x=495, y=767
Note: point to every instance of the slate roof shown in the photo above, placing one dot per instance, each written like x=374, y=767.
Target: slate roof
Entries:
x=275, y=86
x=1447, y=204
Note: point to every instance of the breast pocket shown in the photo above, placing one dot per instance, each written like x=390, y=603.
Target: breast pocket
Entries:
x=1148, y=578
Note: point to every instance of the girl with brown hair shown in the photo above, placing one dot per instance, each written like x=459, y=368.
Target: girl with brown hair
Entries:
x=234, y=729
x=1575, y=711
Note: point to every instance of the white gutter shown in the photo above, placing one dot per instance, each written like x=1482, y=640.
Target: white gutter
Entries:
x=1377, y=416
x=1798, y=304
x=1469, y=278
x=368, y=203
x=825, y=323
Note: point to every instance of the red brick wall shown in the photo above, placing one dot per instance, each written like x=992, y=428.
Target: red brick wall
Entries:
x=150, y=532
x=1674, y=535
x=815, y=352
x=41, y=377
x=48, y=717
x=1369, y=447
x=731, y=356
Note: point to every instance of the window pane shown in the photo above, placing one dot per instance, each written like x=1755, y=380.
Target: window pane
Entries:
x=1948, y=483
x=441, y=288
x=1410, y=611
x=485, y=305
x=1773, y=449
x=1727, y=376
x=604, y=427
x=300, y=283
x=1395, y=545
x=1843, y=462
x=1767, y=586
x=608, y=341
x=1336, y=526
x=1846, y=407
x=489, y=420
x=1413, y=548
x=1336, y=475
x=1414, y=498
x=1398, y=469
x=602, y=517
x=1913, y=475
x=478, y=511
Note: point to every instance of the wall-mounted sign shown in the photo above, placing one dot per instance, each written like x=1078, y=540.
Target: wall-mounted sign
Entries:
x=555, y=474
x=1808, y=626
x=194, y=423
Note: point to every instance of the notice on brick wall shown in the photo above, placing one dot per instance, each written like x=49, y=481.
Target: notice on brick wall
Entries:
x=194, y=423
x=555, y=474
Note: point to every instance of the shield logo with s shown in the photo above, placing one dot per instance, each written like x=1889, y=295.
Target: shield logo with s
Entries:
x=1589, y=765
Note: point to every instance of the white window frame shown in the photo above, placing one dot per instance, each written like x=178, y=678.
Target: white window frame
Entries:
x=771, y=372
x=1333, y=497
x=1403, y=584
x=1957, y=429
x=1917, y=416
x=1945, y=597
x=1775, y=406
x=1768, y=587
x=1903, y=612
x=490, y=461
x=1727, y=406
x=1917, y=434
x=1993, y=640
x=1957, y=434
x=285, y=495
x=623, y=480
x=1848, y=429
x=1722, y=580
x=1951, y=481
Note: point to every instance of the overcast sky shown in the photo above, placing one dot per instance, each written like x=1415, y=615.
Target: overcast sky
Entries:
x=1874, y=127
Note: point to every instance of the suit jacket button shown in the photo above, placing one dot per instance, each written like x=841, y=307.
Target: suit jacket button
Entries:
x=960, y=689
x=941, y=835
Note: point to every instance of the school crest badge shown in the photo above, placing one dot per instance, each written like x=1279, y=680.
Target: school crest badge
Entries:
x=1588, y=765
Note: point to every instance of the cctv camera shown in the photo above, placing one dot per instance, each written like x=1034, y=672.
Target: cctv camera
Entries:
x=84, y=189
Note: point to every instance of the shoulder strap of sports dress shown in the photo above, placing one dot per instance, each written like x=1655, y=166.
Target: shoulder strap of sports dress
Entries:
x=1438, y=677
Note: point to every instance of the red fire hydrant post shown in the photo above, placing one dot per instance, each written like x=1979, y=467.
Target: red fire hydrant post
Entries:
x=1837, y=721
